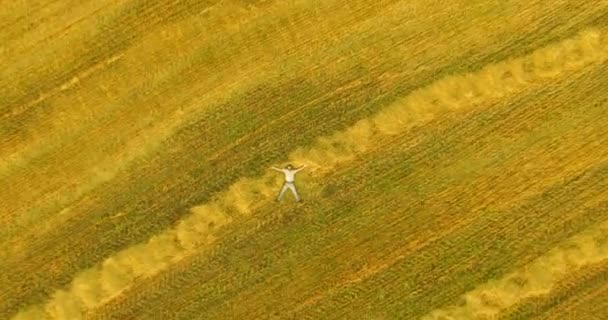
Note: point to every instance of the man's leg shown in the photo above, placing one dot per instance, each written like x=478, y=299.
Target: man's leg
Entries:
x=292, y=187
x=282, y=192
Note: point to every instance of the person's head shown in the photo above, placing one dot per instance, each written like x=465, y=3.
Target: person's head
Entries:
x=288, y=167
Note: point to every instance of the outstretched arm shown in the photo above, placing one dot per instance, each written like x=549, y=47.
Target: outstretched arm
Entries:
x=300, y=168
x=275, y=168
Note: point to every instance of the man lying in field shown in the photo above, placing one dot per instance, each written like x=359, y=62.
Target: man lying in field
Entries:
x=290, y=173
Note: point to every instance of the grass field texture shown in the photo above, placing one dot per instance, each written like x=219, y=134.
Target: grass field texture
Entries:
x=457, y=158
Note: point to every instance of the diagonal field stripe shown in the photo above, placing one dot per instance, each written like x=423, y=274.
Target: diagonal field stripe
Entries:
x=94, y=287
x=535, y=279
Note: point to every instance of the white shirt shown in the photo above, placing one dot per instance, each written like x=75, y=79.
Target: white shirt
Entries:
x=289, y=174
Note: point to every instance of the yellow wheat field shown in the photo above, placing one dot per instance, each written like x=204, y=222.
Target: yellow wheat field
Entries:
x=457, y=159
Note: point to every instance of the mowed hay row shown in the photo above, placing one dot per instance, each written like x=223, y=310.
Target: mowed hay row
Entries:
x=93, y=287
x=65, y=136
x=225, y=37
x=420, y=273
x=271, y=270
x=535, y=279
x=89, y=162
x=548, y=163
x=239, y=198
x=579, y=295
x=100, y=150
x=63, y=215
x=425, y=207
x=102, y=158
x=178, y=41
x=403, y=69
x=67, y=139
x=460, y=92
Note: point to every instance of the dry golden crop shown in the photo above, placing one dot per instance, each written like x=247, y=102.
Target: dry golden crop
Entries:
x=457, y=158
